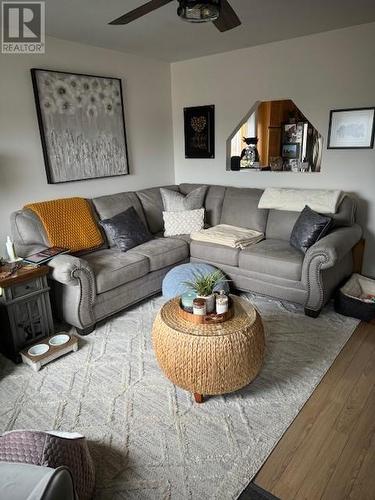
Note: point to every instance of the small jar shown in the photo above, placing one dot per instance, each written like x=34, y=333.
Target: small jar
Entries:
x=222, y=303
x=199, y=307
x=187, y=301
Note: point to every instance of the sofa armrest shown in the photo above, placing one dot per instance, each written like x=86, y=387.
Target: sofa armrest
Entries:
x=69, y=270
x=333, y=247
x=325, y=254
x=77, y=289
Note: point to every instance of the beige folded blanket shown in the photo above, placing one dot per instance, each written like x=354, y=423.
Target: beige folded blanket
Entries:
x=324, y=201
x=230, y=236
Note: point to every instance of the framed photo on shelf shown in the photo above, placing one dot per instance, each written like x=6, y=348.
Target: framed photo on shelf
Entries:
x=291, y=150
x=199, y=128
x=351, y=128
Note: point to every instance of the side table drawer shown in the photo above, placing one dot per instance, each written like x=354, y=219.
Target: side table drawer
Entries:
x=26, y=288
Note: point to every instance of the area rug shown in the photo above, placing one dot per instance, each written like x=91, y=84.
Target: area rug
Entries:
x=149, y=439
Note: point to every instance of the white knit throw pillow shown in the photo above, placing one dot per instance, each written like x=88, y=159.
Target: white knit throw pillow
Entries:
x=183, y=222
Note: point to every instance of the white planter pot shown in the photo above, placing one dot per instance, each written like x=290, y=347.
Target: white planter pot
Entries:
x=210, y=302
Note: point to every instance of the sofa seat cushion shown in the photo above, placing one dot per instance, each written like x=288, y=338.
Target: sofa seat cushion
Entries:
x=113, y=268
x=274, y=257
x=162, y=252
x=211, y=252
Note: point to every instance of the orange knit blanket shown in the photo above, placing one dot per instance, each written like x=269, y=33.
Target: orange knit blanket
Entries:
x=69, y=223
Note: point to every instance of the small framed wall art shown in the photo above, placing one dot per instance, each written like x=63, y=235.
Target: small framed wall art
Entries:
x=199, y=127
x=82, y=126
x=351, y=128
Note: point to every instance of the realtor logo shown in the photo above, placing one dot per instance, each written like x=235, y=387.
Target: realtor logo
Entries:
x=23, y=28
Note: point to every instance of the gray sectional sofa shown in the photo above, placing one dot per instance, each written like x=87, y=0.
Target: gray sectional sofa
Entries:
x=93, y=286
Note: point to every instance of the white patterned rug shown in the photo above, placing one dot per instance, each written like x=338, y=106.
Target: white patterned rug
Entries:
x=148, y=438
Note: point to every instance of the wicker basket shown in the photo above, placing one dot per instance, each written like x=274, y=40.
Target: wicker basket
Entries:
x=209, y=358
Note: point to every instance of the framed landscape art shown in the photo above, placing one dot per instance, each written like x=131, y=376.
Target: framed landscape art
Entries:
x=82, y=126
x=351, y=128
x=199, y=127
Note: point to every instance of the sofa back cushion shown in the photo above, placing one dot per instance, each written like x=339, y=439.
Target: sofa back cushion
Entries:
x=112, y=204
x=213, y=202
x=28, y=233
x=280, y=222
x=345, y=216
x=152, y=205
x=240, y=208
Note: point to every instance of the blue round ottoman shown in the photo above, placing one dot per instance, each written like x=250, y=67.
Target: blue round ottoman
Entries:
x=173, y=283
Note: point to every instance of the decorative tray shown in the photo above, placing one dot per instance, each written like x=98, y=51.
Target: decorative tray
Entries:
x=207, y=319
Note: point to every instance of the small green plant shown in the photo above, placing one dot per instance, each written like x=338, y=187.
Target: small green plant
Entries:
x=204, y=285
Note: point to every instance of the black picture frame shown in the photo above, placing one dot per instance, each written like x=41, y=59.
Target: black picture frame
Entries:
x=43, y=127
x=331, y=127
x=290, y=156
x=199, y=129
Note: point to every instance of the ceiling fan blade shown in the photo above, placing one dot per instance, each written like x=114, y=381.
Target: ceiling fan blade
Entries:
x=228, y=19
x=140, y=11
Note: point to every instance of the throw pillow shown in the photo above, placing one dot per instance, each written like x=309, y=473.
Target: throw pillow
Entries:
x=309, y=228
x=126, y=229
x=174, y=201
x=183, y=222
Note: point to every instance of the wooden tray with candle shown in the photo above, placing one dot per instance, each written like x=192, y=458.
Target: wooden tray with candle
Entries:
x=212, y=318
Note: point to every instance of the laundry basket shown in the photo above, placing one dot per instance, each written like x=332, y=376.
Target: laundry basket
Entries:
x=357, y=298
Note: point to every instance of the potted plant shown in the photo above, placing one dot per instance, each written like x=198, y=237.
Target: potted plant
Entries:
x=204, y=285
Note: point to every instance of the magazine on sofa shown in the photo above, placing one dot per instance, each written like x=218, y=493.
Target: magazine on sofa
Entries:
x=45, y=255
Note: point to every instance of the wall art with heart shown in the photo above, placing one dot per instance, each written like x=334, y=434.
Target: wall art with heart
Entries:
x=199, y=132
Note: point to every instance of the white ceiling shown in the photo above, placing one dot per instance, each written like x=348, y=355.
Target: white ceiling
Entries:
x=162, y=35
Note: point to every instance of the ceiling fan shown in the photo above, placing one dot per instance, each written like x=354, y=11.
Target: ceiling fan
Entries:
x=195, y=11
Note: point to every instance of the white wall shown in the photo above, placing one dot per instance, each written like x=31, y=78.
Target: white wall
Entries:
x=147, y=102
x=320, y=72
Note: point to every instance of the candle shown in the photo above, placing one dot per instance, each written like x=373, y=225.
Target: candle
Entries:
x=222, y=303
x=199, y=307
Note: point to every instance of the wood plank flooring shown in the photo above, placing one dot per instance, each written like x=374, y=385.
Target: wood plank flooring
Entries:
x=329, y=450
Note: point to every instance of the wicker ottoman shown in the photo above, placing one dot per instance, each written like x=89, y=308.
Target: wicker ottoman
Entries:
x=209, y=359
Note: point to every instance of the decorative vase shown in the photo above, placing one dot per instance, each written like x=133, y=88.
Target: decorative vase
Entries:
x=210, y=302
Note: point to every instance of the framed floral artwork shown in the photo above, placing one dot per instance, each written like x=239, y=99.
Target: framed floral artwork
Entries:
x=199, y=127
x=82, y=125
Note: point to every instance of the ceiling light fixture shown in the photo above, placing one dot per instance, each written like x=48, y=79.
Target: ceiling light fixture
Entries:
x=199, y=11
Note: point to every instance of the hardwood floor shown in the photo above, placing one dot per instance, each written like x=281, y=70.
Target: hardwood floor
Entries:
x=329, y=450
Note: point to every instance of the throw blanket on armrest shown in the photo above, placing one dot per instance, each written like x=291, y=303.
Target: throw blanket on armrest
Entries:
x=69, y=223
x=324, y=201
x=230, y=236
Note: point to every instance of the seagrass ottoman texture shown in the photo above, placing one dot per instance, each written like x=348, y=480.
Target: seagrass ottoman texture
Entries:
x=209, y=359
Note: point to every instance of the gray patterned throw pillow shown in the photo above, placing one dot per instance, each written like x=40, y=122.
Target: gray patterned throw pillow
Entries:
x=176, y=202
x=126, y=229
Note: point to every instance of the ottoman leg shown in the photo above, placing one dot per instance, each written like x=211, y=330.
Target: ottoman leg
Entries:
x=198, y=397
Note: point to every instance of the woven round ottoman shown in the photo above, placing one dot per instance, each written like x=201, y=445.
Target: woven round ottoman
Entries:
x=209, y=359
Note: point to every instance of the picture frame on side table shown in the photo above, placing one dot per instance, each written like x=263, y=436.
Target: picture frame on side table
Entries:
x=82, y=125
x=351, y=128
x=199, y=128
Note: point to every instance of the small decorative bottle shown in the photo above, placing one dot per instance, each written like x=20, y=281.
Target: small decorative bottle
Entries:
x=222, y=303
x=199, y=307
x=10, y=249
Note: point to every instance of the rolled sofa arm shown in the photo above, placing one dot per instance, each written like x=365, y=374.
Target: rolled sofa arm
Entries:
x=68, y=270
x=324, y=254
x=76, y=296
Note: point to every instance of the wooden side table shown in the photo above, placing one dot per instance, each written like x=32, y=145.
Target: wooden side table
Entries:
x=25, y=309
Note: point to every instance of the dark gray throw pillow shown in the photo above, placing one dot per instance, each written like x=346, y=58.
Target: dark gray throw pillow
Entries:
x=309, y=228
x=126, y=229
